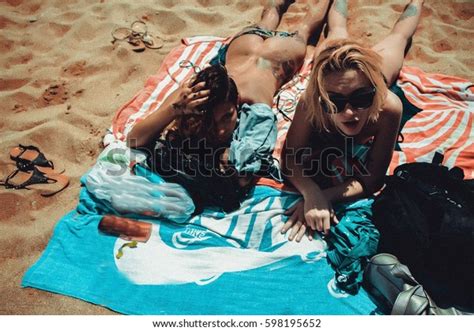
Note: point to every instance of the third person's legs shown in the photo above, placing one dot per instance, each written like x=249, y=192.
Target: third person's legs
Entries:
x=392, y=48
x=272, y=13
x=337, y=24
x=313, y=19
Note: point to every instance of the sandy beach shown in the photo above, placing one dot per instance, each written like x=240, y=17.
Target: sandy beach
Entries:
x=62, y=80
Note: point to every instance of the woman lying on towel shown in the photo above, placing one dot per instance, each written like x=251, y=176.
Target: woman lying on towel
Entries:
x=187, y=137
x=347, y=104
x=203, y=111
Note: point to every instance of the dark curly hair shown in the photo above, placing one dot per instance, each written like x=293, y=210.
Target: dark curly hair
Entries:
x=221, y=86
x=196, y=126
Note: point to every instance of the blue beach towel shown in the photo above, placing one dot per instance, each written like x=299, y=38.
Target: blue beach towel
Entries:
x=214, y=263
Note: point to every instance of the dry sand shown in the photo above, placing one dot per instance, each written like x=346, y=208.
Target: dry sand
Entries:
x=62, y=80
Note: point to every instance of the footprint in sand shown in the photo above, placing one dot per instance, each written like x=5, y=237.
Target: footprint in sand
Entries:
x=33, y=8
x=70, y=16
x=55, y=94
x=442, y=45
x=426, y=12
x=10, y=84
x=21, y=59
x=420, y=53
x=464, y=10
x=76, y=69
x=167, y=3
x=80, y=68
x=7, y=23
x=18, y=108
x=6, y=44
x=59, y=30
x=21, y=101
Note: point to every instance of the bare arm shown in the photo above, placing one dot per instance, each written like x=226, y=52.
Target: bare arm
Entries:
x=296, y=140
x=318, y=212
x=153, y=125
x=379, y=157
x=182, y=101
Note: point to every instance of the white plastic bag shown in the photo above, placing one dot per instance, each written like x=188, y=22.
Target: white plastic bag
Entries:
x=129, y=193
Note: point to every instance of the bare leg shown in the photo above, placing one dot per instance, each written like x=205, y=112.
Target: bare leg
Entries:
x=337, y=24
x=273, y=12
x=313, y=20
x=245, y=44
x=337, y=20
x=286, y=55
x=392, y=48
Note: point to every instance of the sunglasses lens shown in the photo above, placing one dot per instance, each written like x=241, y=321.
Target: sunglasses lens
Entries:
x=363, y=101
x=358, y=101
x=339, y=104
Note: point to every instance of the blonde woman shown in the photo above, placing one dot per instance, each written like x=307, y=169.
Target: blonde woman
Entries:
x=347, y=99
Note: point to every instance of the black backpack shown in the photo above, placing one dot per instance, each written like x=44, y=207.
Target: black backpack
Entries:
x=425, y=216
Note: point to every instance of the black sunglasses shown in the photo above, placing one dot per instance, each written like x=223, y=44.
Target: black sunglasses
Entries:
x=360, y=99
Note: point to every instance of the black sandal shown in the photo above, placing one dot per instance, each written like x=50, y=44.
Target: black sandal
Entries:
x=42, y=181
x=29, y=157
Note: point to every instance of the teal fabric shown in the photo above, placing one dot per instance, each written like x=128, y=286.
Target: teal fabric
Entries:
x=355, y=239
x=254, y=139
x=351, y=243
x=409, y=110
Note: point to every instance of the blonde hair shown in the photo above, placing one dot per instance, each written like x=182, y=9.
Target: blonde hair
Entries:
x=339, y=56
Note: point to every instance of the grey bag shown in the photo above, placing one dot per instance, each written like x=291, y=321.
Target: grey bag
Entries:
x=391, y=284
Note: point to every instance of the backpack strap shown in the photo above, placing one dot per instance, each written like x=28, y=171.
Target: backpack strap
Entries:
x=437, y=158
x=413, y=301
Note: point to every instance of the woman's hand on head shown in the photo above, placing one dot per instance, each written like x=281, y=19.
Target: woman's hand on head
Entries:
x=188, y=97
x=296, y=223
x=318, y=212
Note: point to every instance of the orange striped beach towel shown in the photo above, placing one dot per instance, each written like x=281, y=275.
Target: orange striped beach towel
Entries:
x=445, y=124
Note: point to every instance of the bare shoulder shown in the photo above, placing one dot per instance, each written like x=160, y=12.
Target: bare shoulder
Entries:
x=390, y=115
x=392, y=108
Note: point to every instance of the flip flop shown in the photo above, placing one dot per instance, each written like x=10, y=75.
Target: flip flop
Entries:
x=137, y=43
x=121, y=34
x=125, y=228
x=47, y=184
x=137, y=36
x=152, y=42
x=132, y=37
x=28, y=157
x=140, y=29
